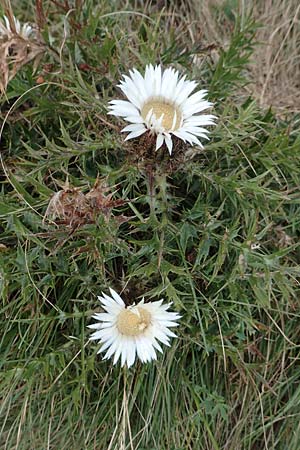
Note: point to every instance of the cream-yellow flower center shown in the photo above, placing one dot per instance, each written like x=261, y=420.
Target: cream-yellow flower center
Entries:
x=133, y=324
x=171, y=114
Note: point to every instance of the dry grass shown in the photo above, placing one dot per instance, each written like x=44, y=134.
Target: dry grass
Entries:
x=274, y=72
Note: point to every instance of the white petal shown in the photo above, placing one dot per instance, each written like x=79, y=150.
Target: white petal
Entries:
x=157, y=346
x=94, y=326
x=171, y=84
x=109, y=305
x=140, y=84
x=123, y=353
x=131, y=353
x=7, y=24
x=157, y=80
x=174, y=120
x=188, y=87
x=135, y=134
x=105, y=325
x=107, y=344
x=168, y=332
x=112, y=310
x=134, y=119
x=179, y=88
x=185, y=136
x=204, y=119
x=106, y=299
x=195, y=130
x=167, y=323
x=159, y=141
x=104, y=317
x=122, y=108
x=116, y=297
x=149, y=75
x=169, y=143
x=149, y=117
x=168, y=84
x=149, y=352
x=131, y=94
x=95, y=336
x=18, y=25
x=195, y=98
x=190, y=110
x=162, y=337
x=155, y=305
x=134, y=127
x=143, y=349
x=118, y=352
x=110, y=351
x=140, y=351
x=111, y=335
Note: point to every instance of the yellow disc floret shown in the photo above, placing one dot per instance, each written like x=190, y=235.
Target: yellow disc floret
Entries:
x=133, y=322
x=171, y=115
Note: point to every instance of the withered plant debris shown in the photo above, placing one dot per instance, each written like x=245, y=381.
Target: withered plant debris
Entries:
x=19, y=44
x=282, y=238
x=72, y=208
x=141, y=152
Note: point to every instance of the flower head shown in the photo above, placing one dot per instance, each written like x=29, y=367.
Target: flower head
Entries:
x=132, y=331
x=161, y=101
x=23, y=31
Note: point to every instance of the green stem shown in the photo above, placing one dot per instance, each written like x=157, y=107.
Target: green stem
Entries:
x=151, y=191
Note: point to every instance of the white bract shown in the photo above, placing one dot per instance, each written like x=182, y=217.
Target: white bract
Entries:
x=132, y=331
x=161, y=101
x=24, y=31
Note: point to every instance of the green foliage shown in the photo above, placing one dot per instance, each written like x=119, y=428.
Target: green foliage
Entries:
x=218, y=237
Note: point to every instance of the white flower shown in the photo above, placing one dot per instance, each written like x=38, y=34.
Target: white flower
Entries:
x=24, y=31
x=132, y=331
x=162, y=103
